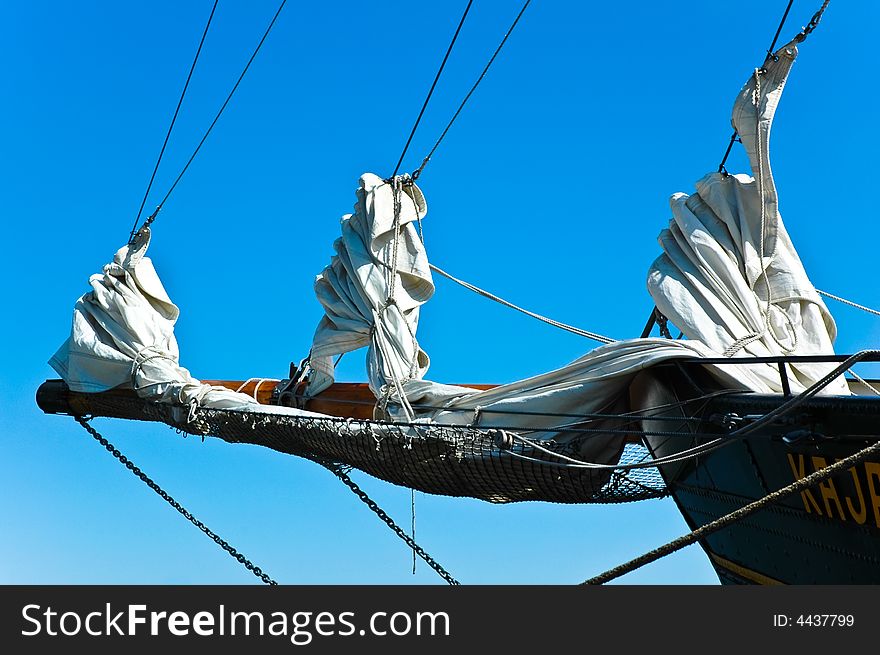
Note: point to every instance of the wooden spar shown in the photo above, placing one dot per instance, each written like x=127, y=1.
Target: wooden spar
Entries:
x=342, y=399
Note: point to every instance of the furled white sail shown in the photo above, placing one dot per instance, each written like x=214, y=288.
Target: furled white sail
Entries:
x=729, y=275
x=123, y=336
x=729, y=278
x=374, y=286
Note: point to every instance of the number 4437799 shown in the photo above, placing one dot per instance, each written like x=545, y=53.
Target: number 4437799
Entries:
x=814, y=620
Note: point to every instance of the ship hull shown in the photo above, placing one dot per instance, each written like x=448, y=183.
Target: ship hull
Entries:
x=828, y=534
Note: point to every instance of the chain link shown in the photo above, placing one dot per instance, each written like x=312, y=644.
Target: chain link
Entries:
x=337, y=470
x=241, y=559
x=813, y=24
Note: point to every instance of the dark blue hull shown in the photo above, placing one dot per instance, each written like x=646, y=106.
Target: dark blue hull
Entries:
x=828, y=534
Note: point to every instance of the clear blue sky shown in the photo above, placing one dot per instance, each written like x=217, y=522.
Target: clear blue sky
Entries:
x=550, y=190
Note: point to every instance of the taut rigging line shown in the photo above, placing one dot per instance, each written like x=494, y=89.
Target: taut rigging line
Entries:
x=244, y=71
x=171, y=126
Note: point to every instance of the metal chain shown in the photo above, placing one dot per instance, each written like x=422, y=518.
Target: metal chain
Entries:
x=813, y=24
x=241, y=559
x=337, y=470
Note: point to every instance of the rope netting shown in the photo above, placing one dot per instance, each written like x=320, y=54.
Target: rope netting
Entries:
x=442, y=460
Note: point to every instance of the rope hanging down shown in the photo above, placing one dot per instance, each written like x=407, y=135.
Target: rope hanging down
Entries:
x=155, y=213
x=805, y=32
x=431, y=90
x=241, y=559
x=491, y=296
x=425, y=161
x=339, y=471
x=171, y=126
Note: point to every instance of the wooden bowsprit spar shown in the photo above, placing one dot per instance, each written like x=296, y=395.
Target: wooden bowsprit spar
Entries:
x=460, y=459
x=348, y=400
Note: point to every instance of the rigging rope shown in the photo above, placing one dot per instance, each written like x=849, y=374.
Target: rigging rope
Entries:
x=865, y=383
x=848, y=302
x=424, y=163
x=491, y=296
x=716, y=442
x=152, y=216
x=583, y=417
x=431, y=90
x=737, y=515
x=806, y=31
x=171, y=126
x=241, y=559
x=771, y=50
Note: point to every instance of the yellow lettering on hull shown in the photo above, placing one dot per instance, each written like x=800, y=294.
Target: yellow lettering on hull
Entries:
x=873, y=471
x=828, y=490
x=799, y=472
x=844, y=499
x=862, y=515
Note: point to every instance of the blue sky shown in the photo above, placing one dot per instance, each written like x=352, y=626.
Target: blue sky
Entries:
x=550, y=190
